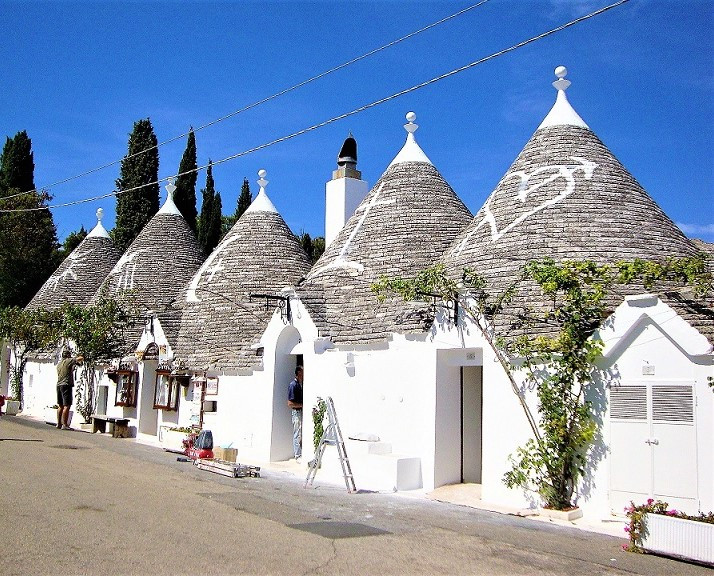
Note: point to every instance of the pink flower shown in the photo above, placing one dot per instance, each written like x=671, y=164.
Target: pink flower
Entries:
x=649, y=501
x=627, y=528
x=672, y=512
x=624, y=547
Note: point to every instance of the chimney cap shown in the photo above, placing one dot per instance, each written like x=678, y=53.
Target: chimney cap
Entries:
x=348, y=152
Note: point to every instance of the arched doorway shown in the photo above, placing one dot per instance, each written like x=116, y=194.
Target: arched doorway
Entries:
x=281, y=444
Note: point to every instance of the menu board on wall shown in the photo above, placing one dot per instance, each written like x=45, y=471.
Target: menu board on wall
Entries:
x=195, y=403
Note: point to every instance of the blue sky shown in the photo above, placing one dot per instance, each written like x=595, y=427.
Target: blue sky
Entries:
x=77, y=76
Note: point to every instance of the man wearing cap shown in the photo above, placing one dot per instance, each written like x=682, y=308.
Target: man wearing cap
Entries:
x=65, y=383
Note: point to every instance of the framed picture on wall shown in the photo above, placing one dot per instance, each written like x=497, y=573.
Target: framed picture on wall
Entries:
x=211, y=386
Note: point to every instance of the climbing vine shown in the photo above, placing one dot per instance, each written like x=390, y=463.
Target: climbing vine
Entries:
x=560, y=366
x=318, y=418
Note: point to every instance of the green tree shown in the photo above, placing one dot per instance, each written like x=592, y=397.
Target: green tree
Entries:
x=28, y=237
x=26, y=332
x=559, y=367
x=139, y=176
x=207, y=197
x=306, y=243
x=215, y=226
x=314, y=247
x=244, y=200
x=318, y=248
x=17, y=164
x=185, y=194
x=99, y=333
x=72, y=240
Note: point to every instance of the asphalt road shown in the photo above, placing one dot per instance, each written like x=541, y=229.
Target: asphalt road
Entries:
x=76, y=503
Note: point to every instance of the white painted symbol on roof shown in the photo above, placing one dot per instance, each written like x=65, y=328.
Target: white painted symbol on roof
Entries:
x=565, y=171
x=125, y=269
x=341, y=261
x=75, y=260
x=214, y=269
x=206, y=267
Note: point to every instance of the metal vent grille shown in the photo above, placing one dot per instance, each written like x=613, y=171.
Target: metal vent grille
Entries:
x=673, y=404
x=628, y=402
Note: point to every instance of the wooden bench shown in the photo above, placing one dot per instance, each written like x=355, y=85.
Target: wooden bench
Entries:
x=118, y=427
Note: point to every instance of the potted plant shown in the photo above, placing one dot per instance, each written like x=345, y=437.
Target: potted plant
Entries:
x=12, y=406
x=653, y=527
x=172, y=437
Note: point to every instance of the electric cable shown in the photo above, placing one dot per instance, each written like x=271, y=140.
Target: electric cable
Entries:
x=259, y=102
x=344, y=115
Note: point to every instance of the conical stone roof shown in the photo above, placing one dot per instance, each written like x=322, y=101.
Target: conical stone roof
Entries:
x=260, y=255
x=404, y=224
x=565, y=197
x=157, y=266
x=80, y=273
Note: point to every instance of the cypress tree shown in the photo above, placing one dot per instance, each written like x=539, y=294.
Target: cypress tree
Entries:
x=185, y=195
x=204, y=221
x=140, y=167
x=213, y=235
x=244, y=199
x=306, y=243
x=28, y=240
x=17, y=164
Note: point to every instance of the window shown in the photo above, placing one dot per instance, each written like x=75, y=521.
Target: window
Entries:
x=126, y=388
x=166, y=394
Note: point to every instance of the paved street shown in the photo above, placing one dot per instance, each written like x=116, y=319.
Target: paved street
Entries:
x=76, y=503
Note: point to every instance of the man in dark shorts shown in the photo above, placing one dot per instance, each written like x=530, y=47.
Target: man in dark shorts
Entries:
x=65, y=383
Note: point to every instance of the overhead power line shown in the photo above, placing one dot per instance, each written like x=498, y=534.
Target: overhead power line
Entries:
x=350, y=113
x=262, y=101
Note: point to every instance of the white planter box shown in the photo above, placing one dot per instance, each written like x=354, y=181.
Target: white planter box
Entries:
x=678, y=537
x=12, y=407
x=171, y=439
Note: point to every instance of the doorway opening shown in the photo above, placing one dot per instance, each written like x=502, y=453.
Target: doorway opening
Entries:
x=471, y=424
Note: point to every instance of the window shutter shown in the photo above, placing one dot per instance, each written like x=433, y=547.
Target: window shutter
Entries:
x=673, y=404
x=628, y=402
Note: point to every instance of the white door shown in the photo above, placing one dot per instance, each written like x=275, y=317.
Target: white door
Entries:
x=653, y=445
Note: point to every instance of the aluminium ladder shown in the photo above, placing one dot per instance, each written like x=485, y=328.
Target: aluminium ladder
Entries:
x=332, y=435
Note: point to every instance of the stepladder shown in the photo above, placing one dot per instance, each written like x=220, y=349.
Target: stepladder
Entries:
x=331, y=436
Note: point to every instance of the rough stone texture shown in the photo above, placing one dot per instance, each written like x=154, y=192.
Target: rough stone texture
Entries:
x=403, y=225
x=155, y=268
x=565, y=197
x=259, y=255
x=698, y=313
x=79, y=275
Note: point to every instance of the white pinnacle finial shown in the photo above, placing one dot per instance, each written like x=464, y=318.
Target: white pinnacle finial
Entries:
x=262, y=182
x=170, y=187
x=562, y=113
x=261, y=203
x=169, y=206
x=411, y=127
x=561, y=83
x=99, y=231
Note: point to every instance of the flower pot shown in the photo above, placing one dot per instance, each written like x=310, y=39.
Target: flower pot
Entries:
x=171, y=440
x=678, y=537
x=12, y=407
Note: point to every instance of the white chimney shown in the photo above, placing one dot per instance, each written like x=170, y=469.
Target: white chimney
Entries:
x=344, y=192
